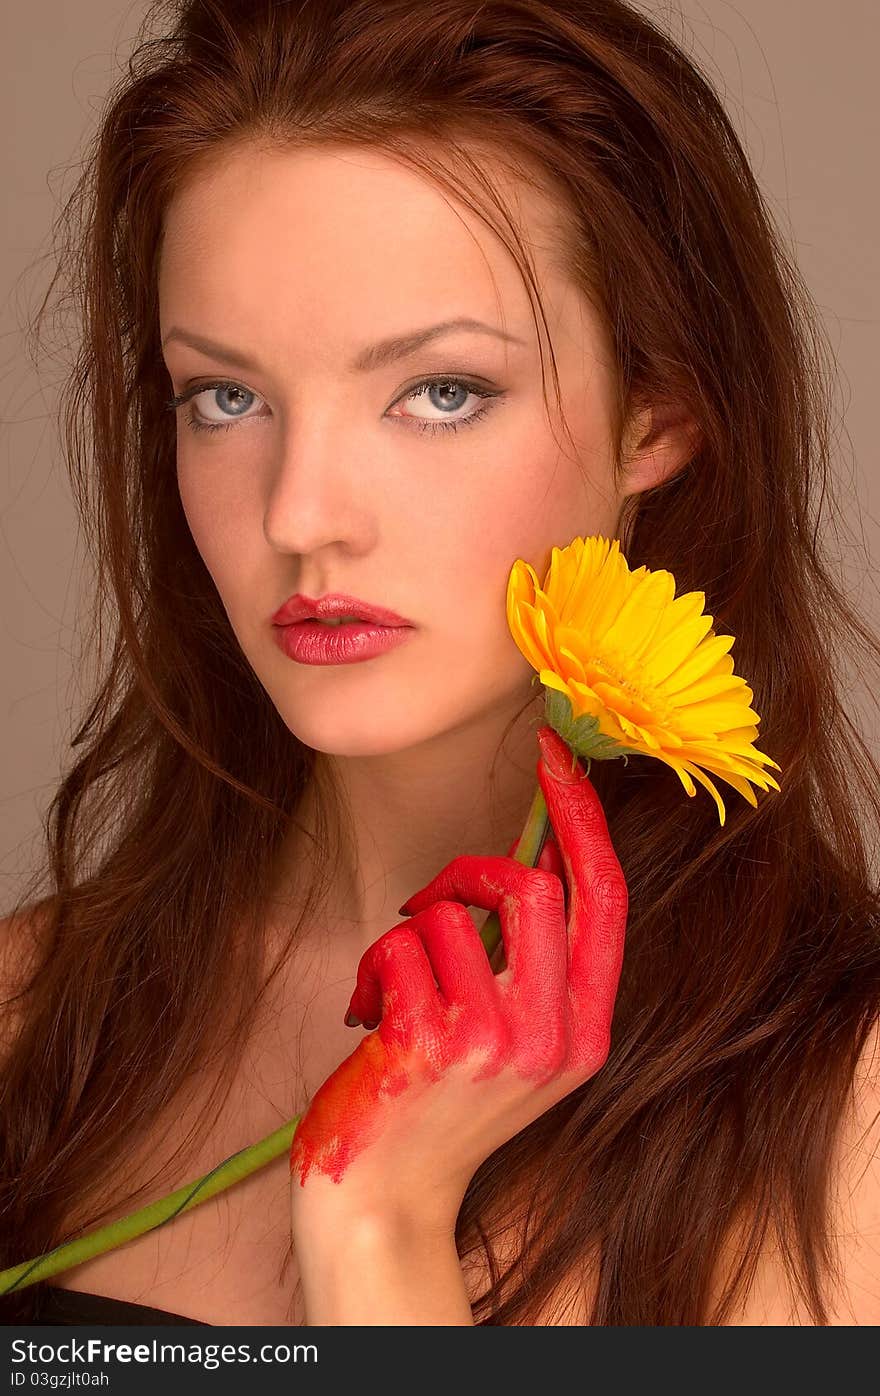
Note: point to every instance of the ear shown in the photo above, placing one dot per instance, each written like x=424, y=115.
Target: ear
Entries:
x=659, y=442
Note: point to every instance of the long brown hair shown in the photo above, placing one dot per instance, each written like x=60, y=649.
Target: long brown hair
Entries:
x=752, y=971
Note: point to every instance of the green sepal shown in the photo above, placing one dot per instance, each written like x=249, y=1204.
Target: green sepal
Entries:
x=582, y=734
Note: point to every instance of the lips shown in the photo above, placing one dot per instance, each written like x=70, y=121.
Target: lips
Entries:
x=331, y=607
x=310, y=642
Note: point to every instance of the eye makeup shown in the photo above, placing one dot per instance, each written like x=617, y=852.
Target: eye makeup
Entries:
x=487, y=395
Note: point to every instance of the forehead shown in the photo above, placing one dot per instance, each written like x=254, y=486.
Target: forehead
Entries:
x=341, y=239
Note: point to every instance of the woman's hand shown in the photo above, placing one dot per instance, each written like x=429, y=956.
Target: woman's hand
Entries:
x=463, y=1059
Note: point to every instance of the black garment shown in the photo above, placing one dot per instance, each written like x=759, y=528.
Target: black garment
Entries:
x=71, y=1306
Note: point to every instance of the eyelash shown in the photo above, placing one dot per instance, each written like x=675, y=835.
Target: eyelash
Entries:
x=435, y=380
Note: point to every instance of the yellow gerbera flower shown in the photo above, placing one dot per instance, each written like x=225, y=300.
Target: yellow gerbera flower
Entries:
x=631, y=671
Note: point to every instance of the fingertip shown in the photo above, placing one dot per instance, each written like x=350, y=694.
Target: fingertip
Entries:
x=557, y=757
x=550, y=857
x=570, y=774
x=418, y=899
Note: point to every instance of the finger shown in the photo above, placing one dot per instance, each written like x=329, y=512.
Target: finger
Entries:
x=598, y=897
x=395, y=982
x=531, y=911
x=457, y=956
x=551, y=859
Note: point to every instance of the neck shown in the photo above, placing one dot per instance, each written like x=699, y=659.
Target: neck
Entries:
x=406, y=814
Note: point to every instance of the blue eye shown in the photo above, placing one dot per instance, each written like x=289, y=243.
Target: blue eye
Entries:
x=198, y=423
x=193, y=418
x=447, y=385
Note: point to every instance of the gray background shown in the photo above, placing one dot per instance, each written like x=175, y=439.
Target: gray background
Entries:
x=798, y=78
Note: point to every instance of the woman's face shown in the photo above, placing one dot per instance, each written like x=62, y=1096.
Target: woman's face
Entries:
x=323, y=476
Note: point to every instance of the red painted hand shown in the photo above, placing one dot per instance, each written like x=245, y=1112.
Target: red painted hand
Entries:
x=463, y=1059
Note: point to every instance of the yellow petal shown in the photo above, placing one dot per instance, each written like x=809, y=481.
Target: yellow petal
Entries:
x=643, y=662
x=679, y=649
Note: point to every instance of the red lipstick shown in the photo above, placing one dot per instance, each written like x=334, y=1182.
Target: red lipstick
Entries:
x=302, y=635
x=331, y=607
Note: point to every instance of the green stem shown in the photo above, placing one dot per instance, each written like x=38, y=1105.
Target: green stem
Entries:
x=528, y=851
x=105, y=1238
x=246, y=1161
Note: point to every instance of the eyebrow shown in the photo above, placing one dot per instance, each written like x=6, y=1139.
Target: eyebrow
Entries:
x=372, y=357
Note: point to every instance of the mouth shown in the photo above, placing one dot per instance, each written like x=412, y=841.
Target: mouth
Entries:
x=314, y=641
x=335, y=610
x=343, y=623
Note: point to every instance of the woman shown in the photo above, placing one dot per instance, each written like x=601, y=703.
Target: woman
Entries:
x=283, y=205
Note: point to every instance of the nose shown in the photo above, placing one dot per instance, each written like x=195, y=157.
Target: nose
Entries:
x=318, y=493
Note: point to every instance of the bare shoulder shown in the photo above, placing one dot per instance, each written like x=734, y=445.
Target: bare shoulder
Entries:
x=854, y=1221
x=857, y=1205
x=21, y=944
x=21, y=938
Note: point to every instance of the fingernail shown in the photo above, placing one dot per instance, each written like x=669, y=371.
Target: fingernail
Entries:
x=558, y=756
x=370, y=1026
x=404, y=910
x=351, y=1021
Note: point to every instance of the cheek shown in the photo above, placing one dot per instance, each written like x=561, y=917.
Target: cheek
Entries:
x=519, y=503
x=219, y=519
x=540, y=501
x=553, y=500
